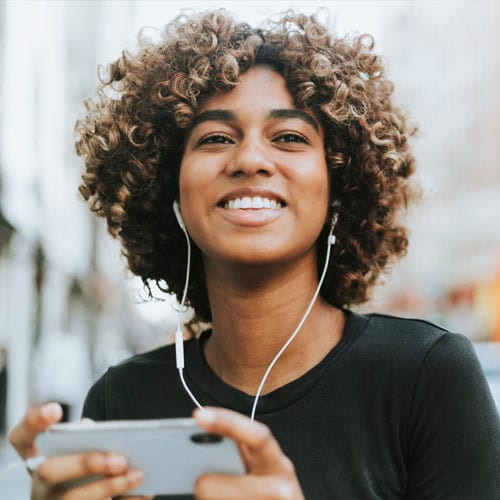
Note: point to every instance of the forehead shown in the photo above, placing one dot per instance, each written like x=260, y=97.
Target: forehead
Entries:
x=261, y=94
x=260, y=86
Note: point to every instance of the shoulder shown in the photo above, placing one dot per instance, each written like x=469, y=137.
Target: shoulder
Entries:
x=407, y=346
x=426, y=383
x=138, y=387
x=125, y=377
x=160, y=359
x=427, y=356
x=407, y=328
x=407, y=334
x=161, y=355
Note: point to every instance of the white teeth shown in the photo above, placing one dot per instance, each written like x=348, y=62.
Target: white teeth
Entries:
x=252, y=202
x=246, y=202
x=258, y=202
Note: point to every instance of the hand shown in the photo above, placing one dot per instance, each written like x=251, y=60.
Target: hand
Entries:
x=50, y=476
x=270, y=474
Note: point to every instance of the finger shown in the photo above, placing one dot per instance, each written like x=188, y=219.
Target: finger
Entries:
x=225, y=487
x=137, y=498
x=246, y=456
x=64, y=468
x=39, y=489
x=263, y=453
x=105, y=488
x=38, y=419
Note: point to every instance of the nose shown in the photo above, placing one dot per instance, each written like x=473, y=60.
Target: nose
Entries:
x=251, y=157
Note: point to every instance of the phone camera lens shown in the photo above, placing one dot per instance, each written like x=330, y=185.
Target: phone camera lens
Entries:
x=206, y=438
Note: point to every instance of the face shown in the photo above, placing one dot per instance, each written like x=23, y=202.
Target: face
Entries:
x=253, y=179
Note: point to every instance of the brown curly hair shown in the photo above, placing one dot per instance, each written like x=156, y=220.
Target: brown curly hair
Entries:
x=132, y=142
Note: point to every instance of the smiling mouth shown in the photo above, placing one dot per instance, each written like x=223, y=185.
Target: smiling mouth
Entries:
x=252, y=202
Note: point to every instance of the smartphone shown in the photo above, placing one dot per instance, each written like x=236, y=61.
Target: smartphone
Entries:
x=171, y=453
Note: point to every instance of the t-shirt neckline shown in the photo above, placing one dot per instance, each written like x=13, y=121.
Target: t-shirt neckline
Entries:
x=213, y=391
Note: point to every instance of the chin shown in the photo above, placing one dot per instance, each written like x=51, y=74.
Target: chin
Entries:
x=252, y=256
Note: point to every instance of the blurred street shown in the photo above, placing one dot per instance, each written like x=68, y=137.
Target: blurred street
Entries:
x=68, y=307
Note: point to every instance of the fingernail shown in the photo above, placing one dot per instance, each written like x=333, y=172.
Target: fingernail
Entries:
x=116, y=462
x=51, y=410
x=205, y=416
x=33, y=463
x=135, y=475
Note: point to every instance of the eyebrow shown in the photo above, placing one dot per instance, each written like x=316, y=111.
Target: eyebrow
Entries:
x=223, y=115
x=294, y=113
x=218, y=115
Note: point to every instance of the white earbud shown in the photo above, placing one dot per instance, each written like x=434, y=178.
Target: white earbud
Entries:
x=335, y=217
x=178, y=216
x=331, y=237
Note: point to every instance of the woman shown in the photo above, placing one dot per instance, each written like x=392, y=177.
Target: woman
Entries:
x=275, y=143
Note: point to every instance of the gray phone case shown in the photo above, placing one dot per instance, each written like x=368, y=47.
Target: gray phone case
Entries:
x=171, y=453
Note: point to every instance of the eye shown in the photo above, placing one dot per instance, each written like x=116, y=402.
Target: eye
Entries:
x=291, y=137
x=214, y=139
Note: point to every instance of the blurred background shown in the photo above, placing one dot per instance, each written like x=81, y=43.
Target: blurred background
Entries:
x=68, y=307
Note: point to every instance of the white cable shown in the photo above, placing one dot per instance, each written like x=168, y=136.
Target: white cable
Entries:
x=179, y=341
x=179, y=356
x=191, y=395
x=186, y=282
x=331, y=241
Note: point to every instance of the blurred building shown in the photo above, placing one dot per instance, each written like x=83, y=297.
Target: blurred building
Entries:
x=443, y=59
x=66, y=306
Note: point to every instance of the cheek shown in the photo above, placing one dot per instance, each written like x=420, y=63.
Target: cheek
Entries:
x=318, y=190
x=195, y=197
x=196, y=175
x=186, y=177
x=190, y=185
x=188, y=198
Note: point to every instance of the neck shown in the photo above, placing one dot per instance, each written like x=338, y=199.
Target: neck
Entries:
x=255, y=311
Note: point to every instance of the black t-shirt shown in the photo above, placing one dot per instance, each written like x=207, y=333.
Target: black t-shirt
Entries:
x=398, y=409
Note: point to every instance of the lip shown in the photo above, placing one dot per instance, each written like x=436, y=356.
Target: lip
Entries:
x=251, y=191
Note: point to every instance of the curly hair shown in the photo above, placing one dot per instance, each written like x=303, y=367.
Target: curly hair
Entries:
x=133, y=135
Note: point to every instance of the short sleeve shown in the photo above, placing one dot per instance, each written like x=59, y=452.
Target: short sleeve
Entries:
x=94, y=406
x=454, y=428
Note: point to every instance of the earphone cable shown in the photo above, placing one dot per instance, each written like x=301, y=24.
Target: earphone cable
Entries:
x=186, y=281
x=179, y=341
x=331, y=241
x=186, y=387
